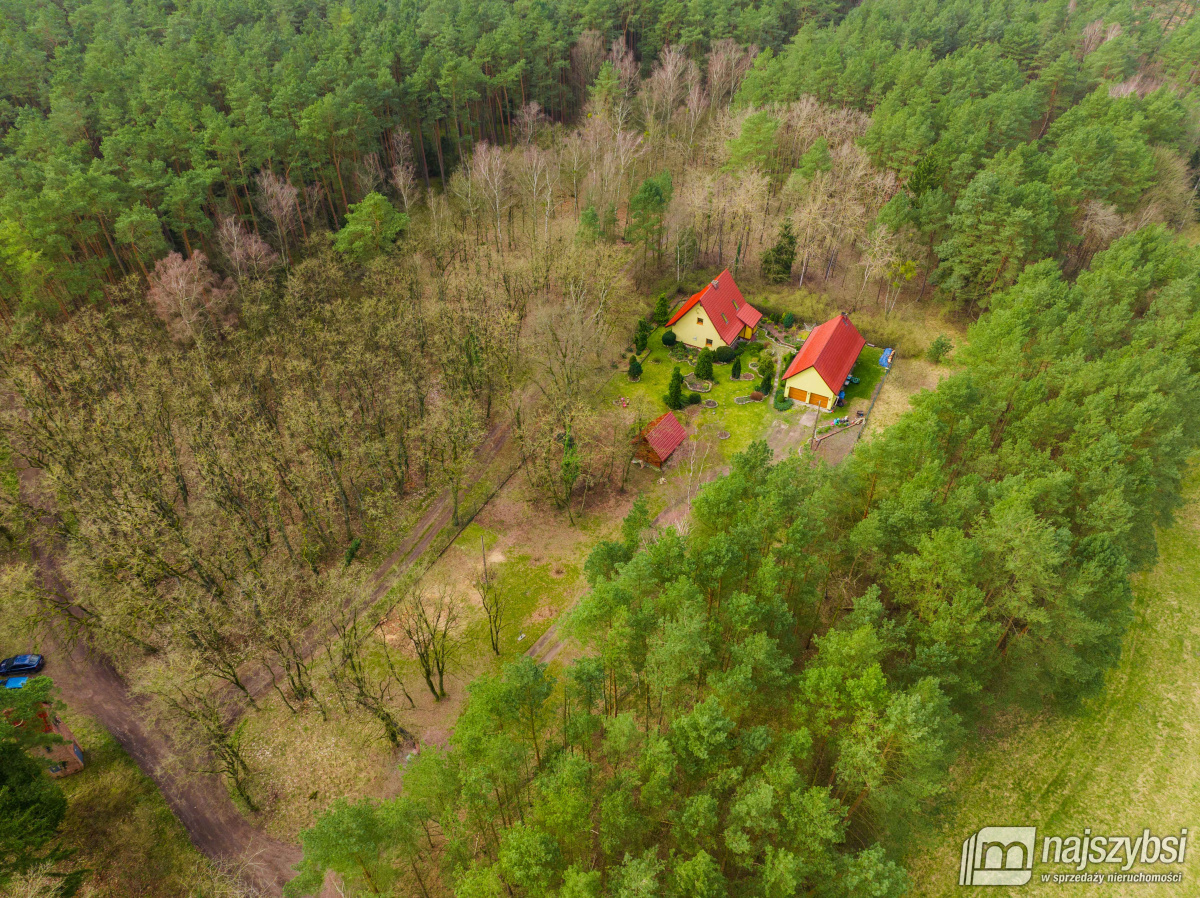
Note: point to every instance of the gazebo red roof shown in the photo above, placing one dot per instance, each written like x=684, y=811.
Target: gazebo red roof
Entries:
x=664, y=434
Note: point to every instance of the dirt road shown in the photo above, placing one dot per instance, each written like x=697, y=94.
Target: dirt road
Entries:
x=199, y=799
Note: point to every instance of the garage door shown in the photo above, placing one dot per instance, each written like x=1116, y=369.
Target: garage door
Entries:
x=822, y=401
x=798, y=395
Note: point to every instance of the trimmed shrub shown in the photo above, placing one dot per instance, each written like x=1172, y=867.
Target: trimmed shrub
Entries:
x=781, y=403
x=788, y=319
x=669, y=338
x=693, y=399
x=704, y=365
x=725, y=354
x=737, y=369
x=753, y=346
x=635, y=368
x=756, y=396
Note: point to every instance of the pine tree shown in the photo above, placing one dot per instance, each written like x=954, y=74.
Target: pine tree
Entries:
x=642, y=337
x=662, y=309
x=768, y=378
x=674, y=397
x=635, y=368
x=736, y=373
x=778, y=260
x=704, y=365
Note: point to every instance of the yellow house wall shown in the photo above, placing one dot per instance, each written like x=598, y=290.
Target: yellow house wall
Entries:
x=693, y=334
x=747, y=333
x=810, y=382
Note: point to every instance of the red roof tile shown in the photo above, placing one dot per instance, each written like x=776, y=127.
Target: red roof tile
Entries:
x=725, y=306
x=832, y=348
x=664, y=434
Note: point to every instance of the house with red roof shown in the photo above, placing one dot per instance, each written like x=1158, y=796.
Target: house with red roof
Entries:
x=819, y=370
x=659, y=439
x=716, y=316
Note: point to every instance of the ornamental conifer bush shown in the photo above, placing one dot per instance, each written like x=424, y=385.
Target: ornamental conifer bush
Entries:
x=674, y=397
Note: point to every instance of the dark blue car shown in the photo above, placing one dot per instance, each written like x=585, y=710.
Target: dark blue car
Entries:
x=21, y=664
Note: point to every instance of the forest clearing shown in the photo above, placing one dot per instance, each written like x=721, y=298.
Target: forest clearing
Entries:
x=424, y=455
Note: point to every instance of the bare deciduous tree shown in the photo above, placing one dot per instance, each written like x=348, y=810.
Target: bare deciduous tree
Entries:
x=248, y=254
x=279, y=199
x=489, y=174
x=186, y=295
x=429, y=619
x=586, y=57
x=728, y=63
x=487, y=586
x=527, y=121
x=354, y=682
x=404, y=169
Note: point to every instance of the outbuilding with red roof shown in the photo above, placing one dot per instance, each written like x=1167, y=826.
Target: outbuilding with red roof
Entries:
x=659, y=439
x=819, y=370
x=716, y=316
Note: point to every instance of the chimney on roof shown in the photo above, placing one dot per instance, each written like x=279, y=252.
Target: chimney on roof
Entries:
x=716, y=283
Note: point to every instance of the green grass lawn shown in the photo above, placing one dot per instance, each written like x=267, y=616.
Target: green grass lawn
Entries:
x=1130, y=759
x=745, y=423
x=868, y=371
x=525, y=589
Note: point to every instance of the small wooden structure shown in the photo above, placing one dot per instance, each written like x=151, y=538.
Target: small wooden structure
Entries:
x=63, y=758
x=659, y=439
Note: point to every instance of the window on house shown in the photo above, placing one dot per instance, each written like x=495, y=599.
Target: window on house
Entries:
x=699, y=320
x=708, y=342
x=723, y=318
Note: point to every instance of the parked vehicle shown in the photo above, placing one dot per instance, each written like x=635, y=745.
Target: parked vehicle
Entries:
x=21, y=664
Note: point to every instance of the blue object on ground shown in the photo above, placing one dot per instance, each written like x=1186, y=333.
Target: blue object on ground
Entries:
x=886, y=359
x=15, y=682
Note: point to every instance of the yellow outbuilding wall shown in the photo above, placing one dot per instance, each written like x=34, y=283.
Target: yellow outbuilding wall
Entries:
x=810, y=382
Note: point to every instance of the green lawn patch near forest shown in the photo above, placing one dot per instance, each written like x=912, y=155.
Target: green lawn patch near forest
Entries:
x=1128, y=760
x=868, y=371
x=745, y=423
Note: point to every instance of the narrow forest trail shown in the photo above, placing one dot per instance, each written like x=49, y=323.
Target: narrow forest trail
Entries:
x=401, y=560
x=88, y=683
